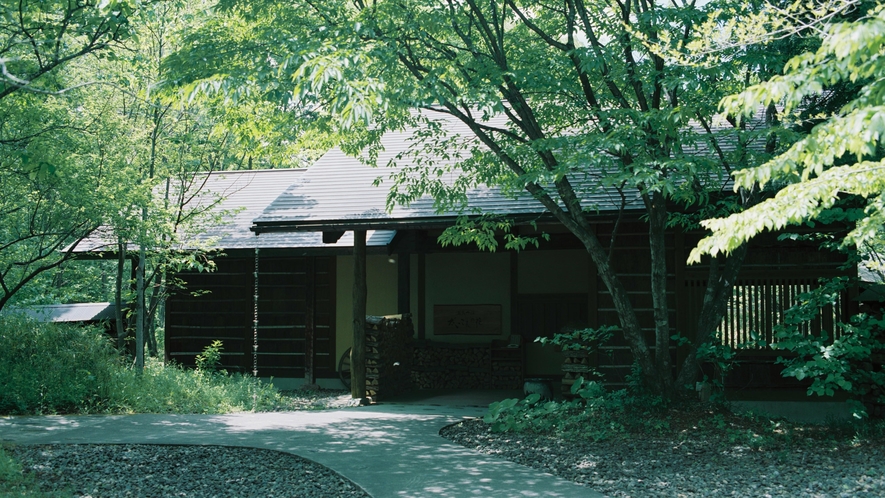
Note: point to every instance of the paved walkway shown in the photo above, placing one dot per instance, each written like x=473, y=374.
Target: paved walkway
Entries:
x=390, y=450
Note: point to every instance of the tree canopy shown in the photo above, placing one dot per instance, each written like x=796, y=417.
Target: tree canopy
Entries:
x=842, y=156
x=562, y=98
x=55, y=170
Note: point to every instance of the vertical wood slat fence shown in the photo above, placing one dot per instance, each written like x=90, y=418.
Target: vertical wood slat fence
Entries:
x=757, y=306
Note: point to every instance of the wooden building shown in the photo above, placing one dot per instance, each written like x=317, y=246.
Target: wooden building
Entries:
x=281, y=297
x=270, y=300
x=507, y=297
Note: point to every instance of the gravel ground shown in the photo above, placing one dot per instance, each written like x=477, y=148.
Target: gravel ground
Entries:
x=146, y=471
x=675, y=467
x=735, y=460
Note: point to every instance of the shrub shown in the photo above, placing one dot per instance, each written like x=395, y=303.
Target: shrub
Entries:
x=174, y=389
x=210, y=359
x=59, y=368
x=593, y=414
x=10, y=470
x=53, y=368
x=837, y=360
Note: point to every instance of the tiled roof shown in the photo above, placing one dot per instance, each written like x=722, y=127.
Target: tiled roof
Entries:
x=238, y=197
x=338, y=192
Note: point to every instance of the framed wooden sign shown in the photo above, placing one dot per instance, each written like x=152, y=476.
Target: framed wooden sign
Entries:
x=467, y=319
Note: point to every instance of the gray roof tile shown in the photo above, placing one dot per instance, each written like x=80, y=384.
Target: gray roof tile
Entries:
x=238, y=197
x=338, y=191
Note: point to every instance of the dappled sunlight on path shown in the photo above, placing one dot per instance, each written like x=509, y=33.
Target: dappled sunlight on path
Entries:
x=389, y=449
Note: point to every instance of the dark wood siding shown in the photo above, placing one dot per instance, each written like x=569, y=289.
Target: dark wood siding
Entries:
x=296, y=302
x=543, y=315
x=780, y=268
x=212, y=306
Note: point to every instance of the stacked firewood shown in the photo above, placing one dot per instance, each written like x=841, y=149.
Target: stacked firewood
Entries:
x=388, y=355
x=451, y=366
x=574, y=364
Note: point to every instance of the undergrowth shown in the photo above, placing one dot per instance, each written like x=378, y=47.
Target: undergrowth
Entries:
x=596, y=414
x=50, y=368
x=14, y=483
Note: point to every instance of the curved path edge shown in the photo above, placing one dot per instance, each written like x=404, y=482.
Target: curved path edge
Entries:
x=389, y=450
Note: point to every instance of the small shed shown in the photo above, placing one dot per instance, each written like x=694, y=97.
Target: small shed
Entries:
x=102, y=314
x=85, y=313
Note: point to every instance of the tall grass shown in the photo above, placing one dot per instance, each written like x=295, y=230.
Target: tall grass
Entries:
x=52, y=368
x=60, y=368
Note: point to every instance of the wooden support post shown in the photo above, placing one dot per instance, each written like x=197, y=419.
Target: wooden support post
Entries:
x=358, y=352
x=403, y=283
x=310, y=325
x=514, y=293
x=422, y=298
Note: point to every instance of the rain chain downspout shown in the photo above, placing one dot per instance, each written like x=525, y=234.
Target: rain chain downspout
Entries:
x=255, y=332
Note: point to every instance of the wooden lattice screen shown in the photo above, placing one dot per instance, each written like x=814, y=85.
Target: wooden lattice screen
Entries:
x=757, y=305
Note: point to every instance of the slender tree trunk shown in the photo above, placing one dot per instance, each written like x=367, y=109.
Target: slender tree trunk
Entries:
x=139, y=301
x=720, y=283
x=118, y=295
x=158, y=290
x=657, y=225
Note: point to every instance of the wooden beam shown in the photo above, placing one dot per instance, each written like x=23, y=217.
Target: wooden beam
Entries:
x=331, y=237
x=358, y=352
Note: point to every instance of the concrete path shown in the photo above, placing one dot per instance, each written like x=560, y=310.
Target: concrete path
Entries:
x=390, y=450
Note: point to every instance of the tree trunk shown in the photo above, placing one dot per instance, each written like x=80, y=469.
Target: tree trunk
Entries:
x=657, y=225
x=716, y=296
x=139, y=303
x=629, y=322
x=118, y=295
x=158, y=294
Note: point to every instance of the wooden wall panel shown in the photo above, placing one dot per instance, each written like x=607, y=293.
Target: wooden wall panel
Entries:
x=223, y=310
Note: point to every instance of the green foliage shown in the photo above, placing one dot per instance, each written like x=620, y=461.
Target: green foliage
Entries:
x=514, y=414
x=840, y=360
x=593, y=413
x=588, y=339
x=46, y=209
x=721, y=357
x=485, y=231
x=50, y=368
x=533, y=414
x=74, y=281
x=53, y=368
x=173, y=389
x=210, y=359
x=10, y=471
x=841, y=156
x=15, y=484
x=42, y=36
